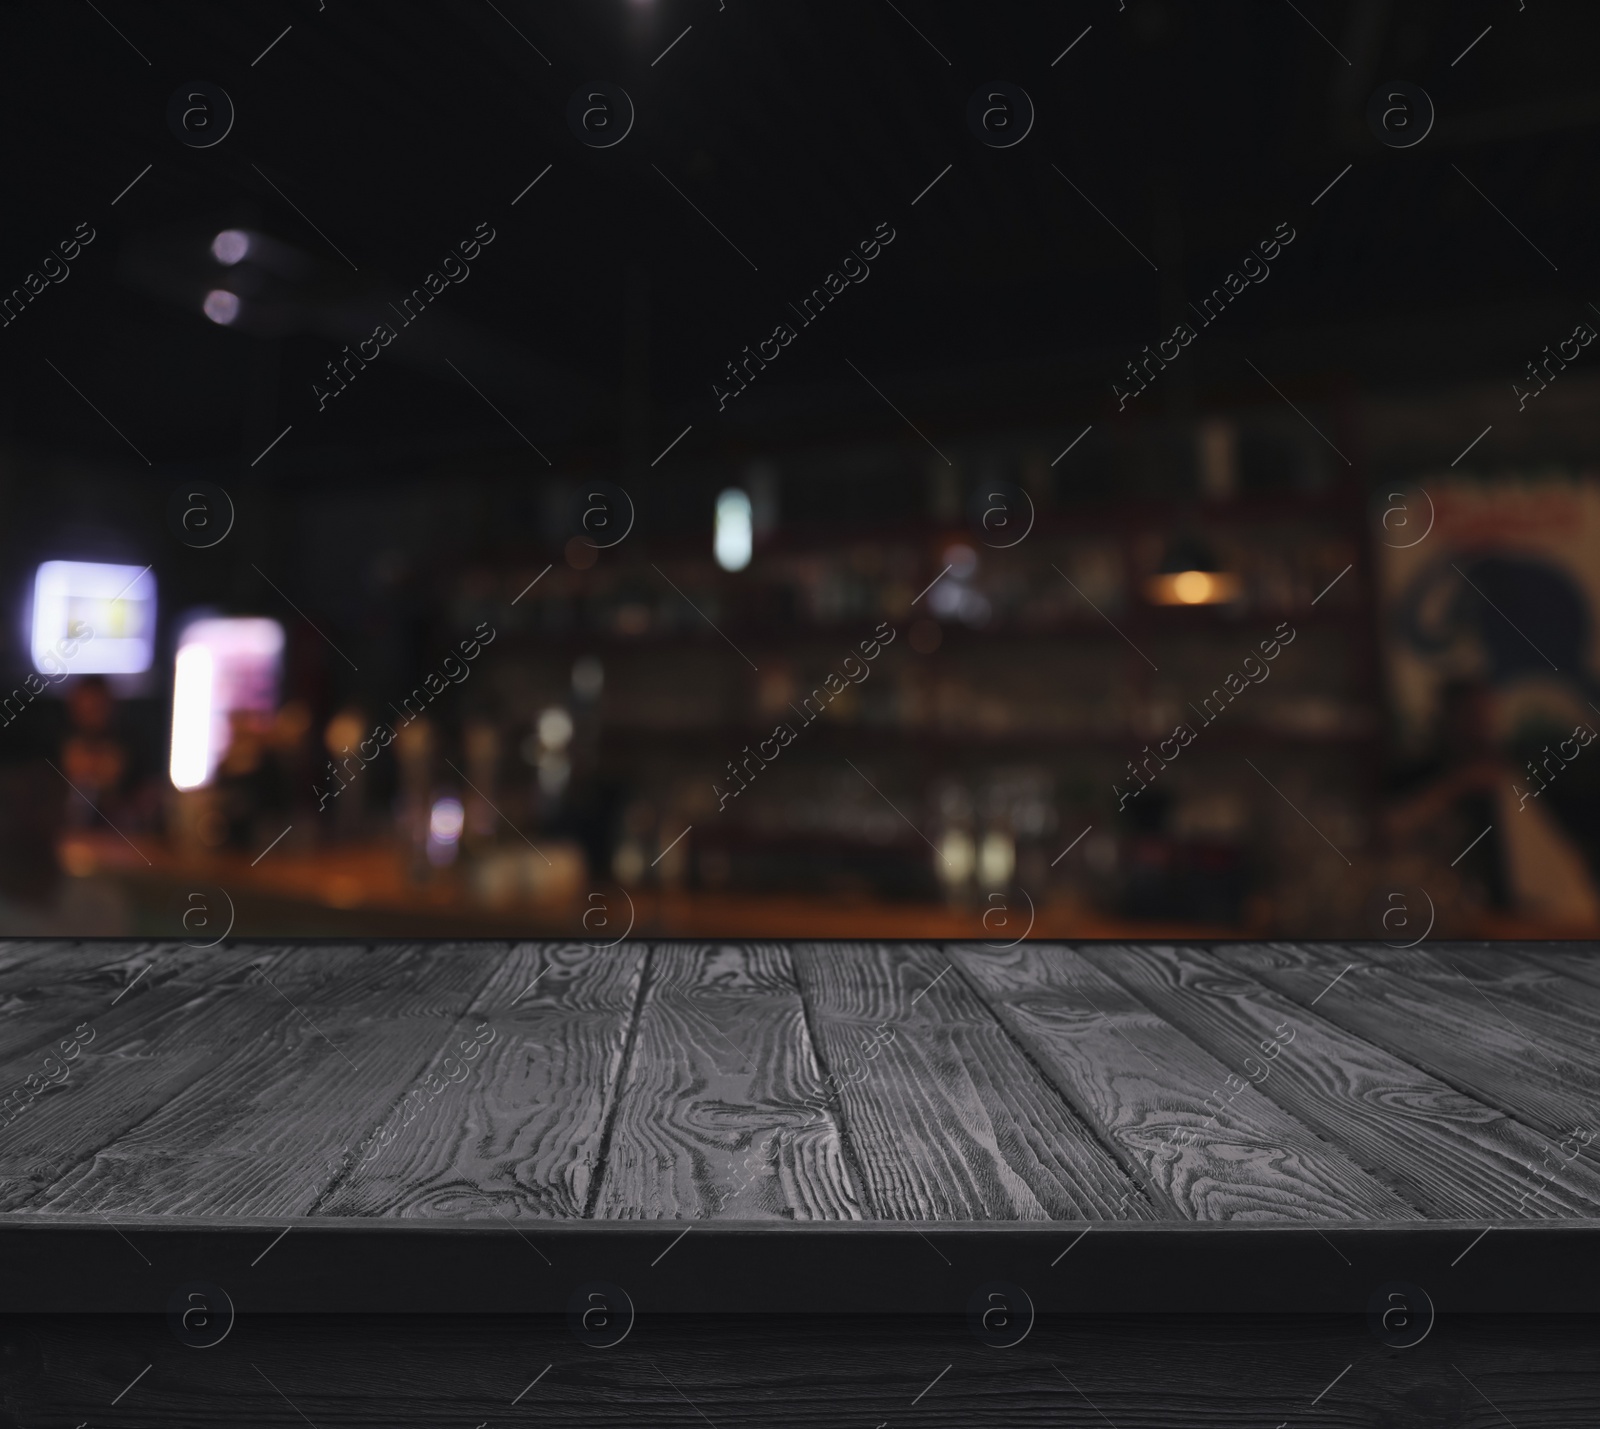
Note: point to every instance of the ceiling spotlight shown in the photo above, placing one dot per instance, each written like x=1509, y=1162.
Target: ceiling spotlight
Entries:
x=221, y=306
x=229, y=246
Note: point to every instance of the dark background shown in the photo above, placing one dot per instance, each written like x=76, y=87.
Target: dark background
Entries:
x=1168, y=141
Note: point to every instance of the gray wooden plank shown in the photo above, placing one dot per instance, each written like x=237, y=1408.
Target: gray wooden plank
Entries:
x=14, y=952
x=123, y=958
x=1447, y=1153
x=143, y=1011
x=949, y=1120
x=1557, y=1015
x=1146, y=1086
x=43, y=997
x=302, y=1058
x=521, y=1134
x=1442, y=1026
x=1575, y=960
x=713, y=1119
x=799, y=1372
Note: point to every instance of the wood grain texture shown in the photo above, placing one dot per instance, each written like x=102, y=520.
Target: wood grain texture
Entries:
x=1479, y=1372
x=819, y=1081
x=521, y=1135
x=1441, y=1025
x=1146, y=1086
x=298, y=1062
x=24, y=965
x=949, y=1120
x=1580, y=961
x=14, y=952
x=1446, y=1153
x=44, y=995
x=720, y=1113
x=1555, y=1015
x=136, y=1001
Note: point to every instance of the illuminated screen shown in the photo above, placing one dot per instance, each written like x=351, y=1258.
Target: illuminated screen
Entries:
x=222, y=665
x=93, y=619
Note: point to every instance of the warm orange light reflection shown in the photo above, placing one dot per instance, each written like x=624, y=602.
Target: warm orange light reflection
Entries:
x=1193, y=588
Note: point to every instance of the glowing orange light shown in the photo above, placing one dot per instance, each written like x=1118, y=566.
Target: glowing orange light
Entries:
x=1193, y=588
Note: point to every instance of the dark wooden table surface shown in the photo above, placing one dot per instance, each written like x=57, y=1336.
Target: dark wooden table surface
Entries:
x=734, y=1088
x=882, y=1137
x=802, y=1082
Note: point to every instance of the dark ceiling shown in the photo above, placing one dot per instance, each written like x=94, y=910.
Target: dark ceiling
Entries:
x=769, y=139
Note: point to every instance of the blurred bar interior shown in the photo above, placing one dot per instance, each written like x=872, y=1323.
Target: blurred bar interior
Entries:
x=879, y=710
x=949, y=645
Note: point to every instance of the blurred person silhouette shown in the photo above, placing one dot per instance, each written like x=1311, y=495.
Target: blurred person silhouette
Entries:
x=31, y=805
x=1540, y=855
x=1460, y=812
x=1551, y=816
x=92, y=756
x=1450, y=797
x=251, y=781
x=1148, y=858
x=291, y=742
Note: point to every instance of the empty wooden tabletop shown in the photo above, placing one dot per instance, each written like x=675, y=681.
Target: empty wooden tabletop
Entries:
x=768, y=1082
